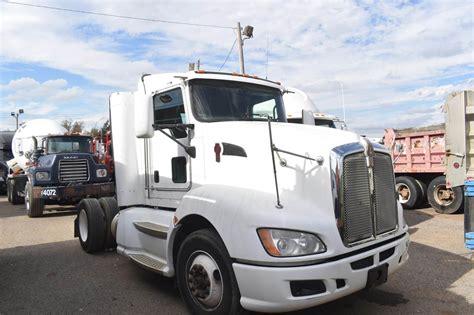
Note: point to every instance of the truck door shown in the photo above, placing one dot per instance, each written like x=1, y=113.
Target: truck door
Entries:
x=168, y=169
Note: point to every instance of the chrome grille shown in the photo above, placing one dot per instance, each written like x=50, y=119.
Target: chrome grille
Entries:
x=364, y=193
x=73, y=170
x=357, y=216
x=385, y=201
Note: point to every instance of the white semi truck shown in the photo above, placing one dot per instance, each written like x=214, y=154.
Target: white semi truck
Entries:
x=215, y=188
x=297, y=101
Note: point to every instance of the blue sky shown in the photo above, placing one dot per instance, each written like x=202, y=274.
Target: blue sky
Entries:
x=397, y=60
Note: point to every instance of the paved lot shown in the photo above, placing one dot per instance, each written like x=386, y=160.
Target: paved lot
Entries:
x=44, y=270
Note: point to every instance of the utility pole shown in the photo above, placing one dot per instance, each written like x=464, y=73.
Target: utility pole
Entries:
x=16, y=115
x=240, y=43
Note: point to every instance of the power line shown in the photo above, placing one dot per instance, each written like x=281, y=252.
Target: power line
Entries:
x=230, y=51
x=115, y=15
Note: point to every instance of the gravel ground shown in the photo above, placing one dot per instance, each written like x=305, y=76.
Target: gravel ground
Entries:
x=44, y=270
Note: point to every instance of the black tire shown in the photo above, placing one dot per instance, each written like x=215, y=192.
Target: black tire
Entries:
x=34, y=206
x=9, y=190
x=16, y=199
x=110, y=208
x=91, y=225
x=206, y=244
x=408, y=190
x=442, y=199
x=422, y=200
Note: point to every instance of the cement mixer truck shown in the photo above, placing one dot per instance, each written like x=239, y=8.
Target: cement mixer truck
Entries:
x=51, y=167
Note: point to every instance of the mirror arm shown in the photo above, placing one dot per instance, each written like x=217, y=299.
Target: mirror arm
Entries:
x=189, y=149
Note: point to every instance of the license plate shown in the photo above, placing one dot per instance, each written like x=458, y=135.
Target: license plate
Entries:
x=377, y=276
x=48, y=192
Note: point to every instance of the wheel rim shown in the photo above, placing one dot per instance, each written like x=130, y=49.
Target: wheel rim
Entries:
x=404, y=193
x=83, y=226
x=443, y=196
x=204, y=280
x=27, y=199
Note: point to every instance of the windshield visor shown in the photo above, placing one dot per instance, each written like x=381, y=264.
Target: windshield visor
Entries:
x=218, y=100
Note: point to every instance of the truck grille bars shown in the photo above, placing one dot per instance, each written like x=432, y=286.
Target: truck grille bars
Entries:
x=363, y=187
x=73, y=170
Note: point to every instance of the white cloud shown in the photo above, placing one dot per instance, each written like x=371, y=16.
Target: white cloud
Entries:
x=385, y=53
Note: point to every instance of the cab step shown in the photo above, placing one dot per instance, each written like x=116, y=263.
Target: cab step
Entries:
x=149, y=263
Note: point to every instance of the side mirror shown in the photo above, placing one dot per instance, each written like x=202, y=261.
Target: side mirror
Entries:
x=399, y=147
x=143, y=115
x=308, y=117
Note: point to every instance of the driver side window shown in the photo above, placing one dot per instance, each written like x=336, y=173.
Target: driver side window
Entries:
x=168, y=107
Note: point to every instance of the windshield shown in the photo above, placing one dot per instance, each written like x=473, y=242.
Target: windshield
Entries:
x=218, y=100
x=68, y=144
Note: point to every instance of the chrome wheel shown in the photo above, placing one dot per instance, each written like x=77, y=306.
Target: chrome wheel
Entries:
x=204, y=280
x=83, y=226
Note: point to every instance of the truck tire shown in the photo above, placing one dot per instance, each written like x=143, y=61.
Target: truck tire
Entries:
x=16, y=199
x=442, y=199
x=91, y=223
x=110, y=208
x=408, y=190
x=423, y=195
x=205, y=276
x=9, y=190
x=34, y=206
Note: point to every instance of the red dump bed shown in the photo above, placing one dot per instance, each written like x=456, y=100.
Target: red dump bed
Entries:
x=417, y=150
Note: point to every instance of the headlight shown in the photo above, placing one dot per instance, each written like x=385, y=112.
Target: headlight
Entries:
x=102, y=172
x=42, y=176
x=284, y=243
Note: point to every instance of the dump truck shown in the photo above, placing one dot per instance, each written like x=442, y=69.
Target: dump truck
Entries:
x=459, y=117
x=431, y=163
x=52, y=167
x=247, y=211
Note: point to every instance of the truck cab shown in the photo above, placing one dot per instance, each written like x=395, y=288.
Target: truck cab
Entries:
x=216, y=188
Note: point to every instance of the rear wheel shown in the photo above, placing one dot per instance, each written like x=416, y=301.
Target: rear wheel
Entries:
x=91, y=223
x=205, y=277
x=110, y=208
x=423, y=193
x=34, y=206
x=408, y=191
x=443, y=199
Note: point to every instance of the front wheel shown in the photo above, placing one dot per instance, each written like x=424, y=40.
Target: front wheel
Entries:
x=205, y=277
x=34, y=206
x=442, y=199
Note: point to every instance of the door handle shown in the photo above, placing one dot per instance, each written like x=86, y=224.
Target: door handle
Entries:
x=156, y=176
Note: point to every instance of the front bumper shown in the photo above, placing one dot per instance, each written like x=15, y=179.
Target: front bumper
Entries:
x=74, y=191
x=267, y=289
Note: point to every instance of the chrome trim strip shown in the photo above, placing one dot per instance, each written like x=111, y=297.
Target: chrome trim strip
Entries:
x=152, y=229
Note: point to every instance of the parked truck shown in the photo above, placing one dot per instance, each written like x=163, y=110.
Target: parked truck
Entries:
x=5, y=155
x=459, y=117
x=419, y=156
x=215, y=188
x=51, y=167
x=297, y=101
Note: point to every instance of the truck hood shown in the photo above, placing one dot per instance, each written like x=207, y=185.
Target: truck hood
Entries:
x=245, y=158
